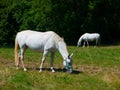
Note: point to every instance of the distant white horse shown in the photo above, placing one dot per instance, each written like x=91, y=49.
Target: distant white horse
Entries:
x=89, y=37
x=41, y=41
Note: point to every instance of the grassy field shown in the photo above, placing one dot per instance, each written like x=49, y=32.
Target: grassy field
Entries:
x=94, y=69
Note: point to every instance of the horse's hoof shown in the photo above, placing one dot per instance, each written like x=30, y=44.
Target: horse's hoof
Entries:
x=53, y=71
x=17, y=68
x=25, y=69
x=40, y=71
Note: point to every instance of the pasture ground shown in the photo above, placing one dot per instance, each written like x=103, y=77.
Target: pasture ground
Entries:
x=94, y=69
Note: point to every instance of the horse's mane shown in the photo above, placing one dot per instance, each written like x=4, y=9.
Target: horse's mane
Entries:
x=57, y=37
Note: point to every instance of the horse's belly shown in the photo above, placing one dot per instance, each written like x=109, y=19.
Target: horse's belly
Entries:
x=38, y=46
x=41, y=48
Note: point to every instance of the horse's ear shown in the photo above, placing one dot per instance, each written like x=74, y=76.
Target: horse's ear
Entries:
x=62, y=38
x=70, y=55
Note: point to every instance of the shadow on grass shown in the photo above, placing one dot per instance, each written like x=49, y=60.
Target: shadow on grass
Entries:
x=60, y=70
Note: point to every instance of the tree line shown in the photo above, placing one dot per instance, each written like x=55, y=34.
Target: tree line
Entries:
x=69, y=18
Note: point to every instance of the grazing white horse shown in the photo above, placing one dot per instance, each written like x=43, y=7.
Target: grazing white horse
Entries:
x=89, y=37
x=41, y=41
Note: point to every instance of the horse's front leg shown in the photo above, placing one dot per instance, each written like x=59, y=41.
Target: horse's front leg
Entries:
x=87, y=44
x=43, y=59
x=84, y=44
x=51, y=61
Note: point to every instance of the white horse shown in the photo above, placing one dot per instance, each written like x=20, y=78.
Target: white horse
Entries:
x=41, y=41
x=89, y=37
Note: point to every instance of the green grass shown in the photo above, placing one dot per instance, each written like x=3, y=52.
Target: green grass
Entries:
x=94, y=69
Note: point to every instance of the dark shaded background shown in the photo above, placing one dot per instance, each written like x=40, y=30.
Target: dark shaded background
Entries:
x=69, y=18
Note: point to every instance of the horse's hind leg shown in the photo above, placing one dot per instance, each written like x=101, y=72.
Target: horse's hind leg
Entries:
x=18, y=61
x=96, y=43
x=22, y=58
x=43, y=59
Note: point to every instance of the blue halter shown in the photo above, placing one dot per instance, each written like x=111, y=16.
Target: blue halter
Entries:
x=67, y=65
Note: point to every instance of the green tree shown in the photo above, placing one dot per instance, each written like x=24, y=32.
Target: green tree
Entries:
x=69, y=18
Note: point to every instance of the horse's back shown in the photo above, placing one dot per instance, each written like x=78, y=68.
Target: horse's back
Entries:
x=30, y=33
x=92, y=34
x=97, y=35
x=35, y=39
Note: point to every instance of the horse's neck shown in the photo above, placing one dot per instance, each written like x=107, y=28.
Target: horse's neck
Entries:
x=81, y=38
x=63, y=49
x=61, y=46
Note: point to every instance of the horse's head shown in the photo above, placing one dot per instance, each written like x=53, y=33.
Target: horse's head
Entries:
x=68, y=63
x=79, y=41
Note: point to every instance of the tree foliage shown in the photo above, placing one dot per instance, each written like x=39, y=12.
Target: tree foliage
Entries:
x=69, y=18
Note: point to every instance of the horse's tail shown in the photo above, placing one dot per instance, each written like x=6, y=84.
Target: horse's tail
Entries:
x=16, y=52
